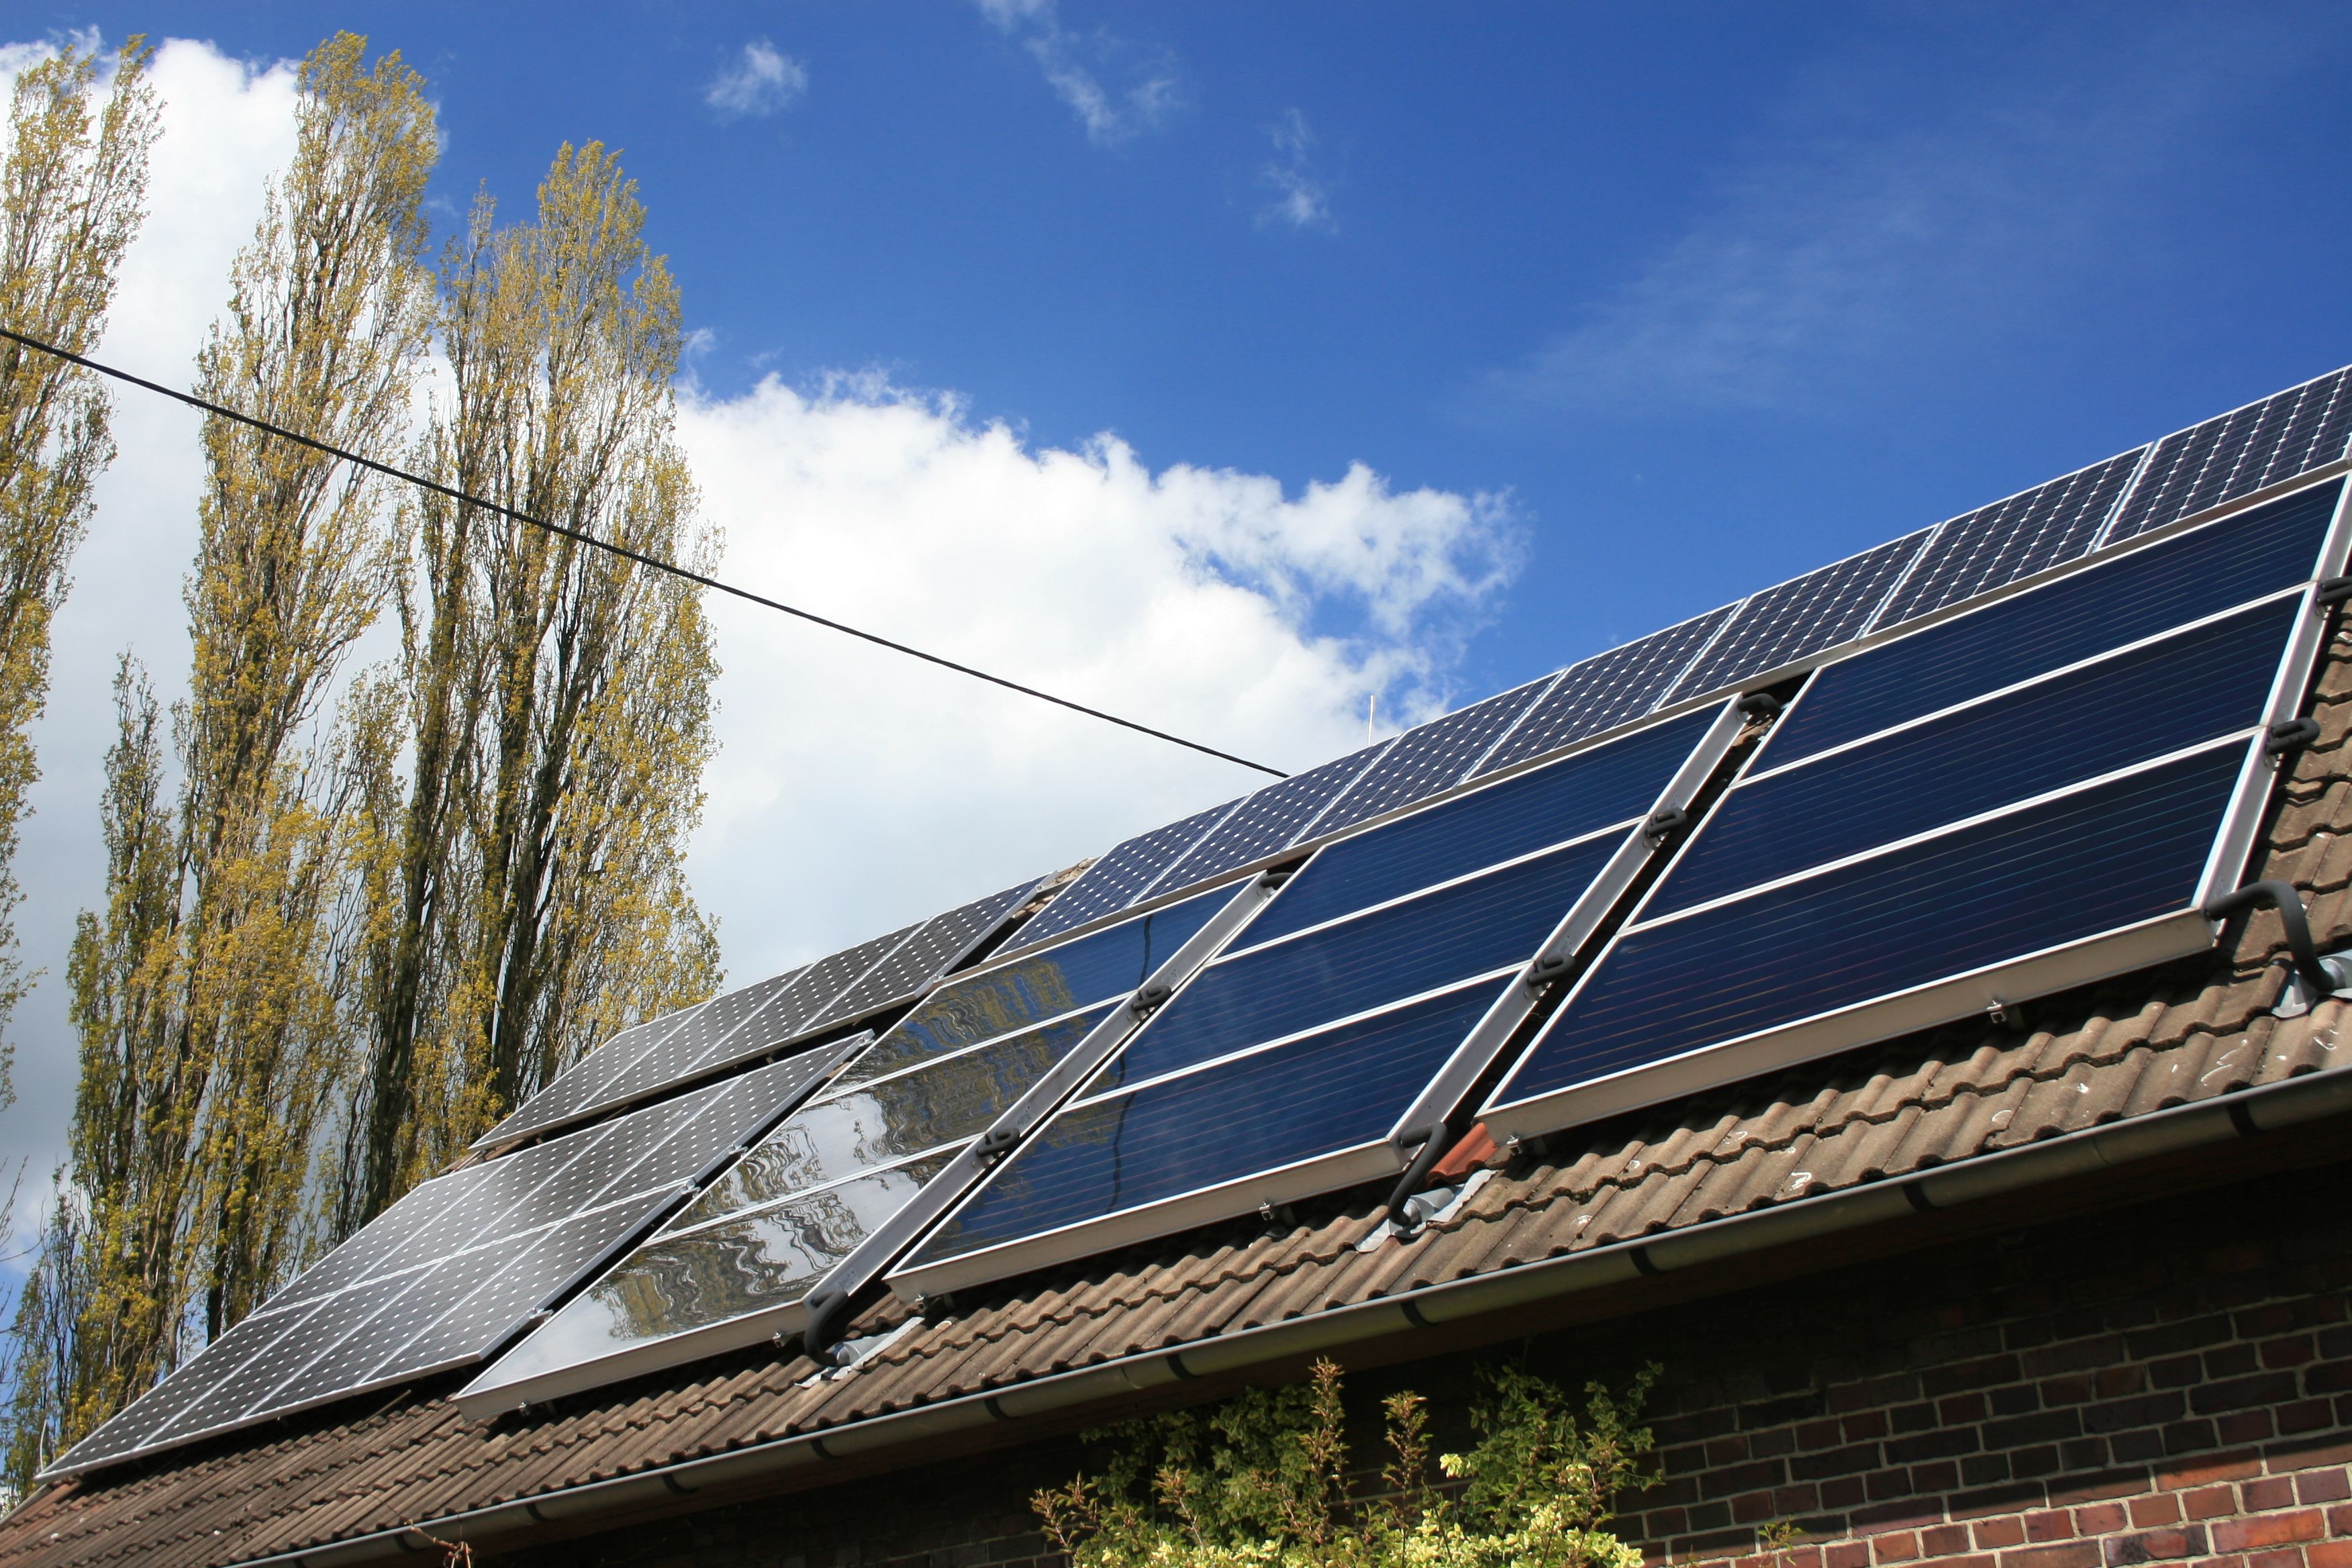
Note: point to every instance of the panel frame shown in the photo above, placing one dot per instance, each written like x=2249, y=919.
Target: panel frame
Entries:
x=484, y=1399
x=1343, y=1168
x=2183, y=934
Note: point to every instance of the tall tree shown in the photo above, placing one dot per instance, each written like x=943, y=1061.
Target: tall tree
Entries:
x=72, y=196
x=205, y=996
x=554, y=710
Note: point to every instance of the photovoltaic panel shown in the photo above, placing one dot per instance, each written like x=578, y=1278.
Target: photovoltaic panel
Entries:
x=822, y=984
x=1606, y=691
x=2110, y=602
x=1301, y=1057
x=565, y=1097
x=926, y=955
x=1119, y=878
x=1335, y=1093
x=1802, y=616
x=680, y=1056
x=2250, y=449
x=829, y=1183
x=2060, y=807
x=455, y=1268
x=1269, y=822
x=1429, y=758
x=1995, y=545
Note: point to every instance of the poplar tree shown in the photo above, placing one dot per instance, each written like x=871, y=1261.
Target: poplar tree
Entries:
x=554, y=710
x=72, y=196
x=204, y=993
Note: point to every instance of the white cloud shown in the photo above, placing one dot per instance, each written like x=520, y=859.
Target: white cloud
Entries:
x=1075, y=65
x=1980, y=200
x=758, y=81
x=1301, y=197
x=856, y=789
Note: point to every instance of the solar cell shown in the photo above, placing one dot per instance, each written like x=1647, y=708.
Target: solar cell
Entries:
x=1998, y=544
x=1269, y=822
x=1429, y=758
x=136, y=1426
x=2246, y=450
x=423, y=1207
x=2105, y=606
x=1606, y=691
x=1802, y=616
x=1119, y=878
x=681, y=1056
x=934, y=948
x=243, y=1394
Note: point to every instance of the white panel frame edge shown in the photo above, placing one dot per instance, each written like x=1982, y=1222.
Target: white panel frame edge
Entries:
x=1365, y=1161
x=487, y=1397
x=2181, y=934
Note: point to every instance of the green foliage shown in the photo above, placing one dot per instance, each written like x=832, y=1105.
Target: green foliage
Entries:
x=1262, y=1481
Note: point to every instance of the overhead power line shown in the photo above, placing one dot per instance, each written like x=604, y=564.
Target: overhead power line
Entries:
x=654, y=562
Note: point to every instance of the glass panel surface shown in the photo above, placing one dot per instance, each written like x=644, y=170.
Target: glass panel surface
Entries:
x=1122, y=876
x=2190, y=688
x=1608, y=690
x=861, y=1128
x=769, y=1258
x=1316, y=1095
x=2061, y=872
x=1471, y=927
x=1580, y=794
x=1094, y=968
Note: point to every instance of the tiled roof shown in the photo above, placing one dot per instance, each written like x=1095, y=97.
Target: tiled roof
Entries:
x=2189, y=1034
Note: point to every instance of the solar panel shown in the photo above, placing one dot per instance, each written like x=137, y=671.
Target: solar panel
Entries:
x=855, y=1165
x=932, y=951
x=2239, y=454
x=1996, y=545
x=563, y=1099
x=2065, y=815
x=1269, y=822
x=454, y=1268
x=1802, y=616
x=1301, y=1057
x=1429, y=758
x=1606, y=691
x=1119, y=878
x=679, y=1055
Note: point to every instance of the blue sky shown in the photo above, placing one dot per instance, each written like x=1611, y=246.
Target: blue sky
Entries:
x=1226, y=365
x=1714, y=293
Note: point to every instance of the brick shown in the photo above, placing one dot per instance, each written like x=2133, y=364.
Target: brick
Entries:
x=2154, y=1545
x=2209, y=1502
x=2159, y=1508
x=2049, y=1525
x=2269, y=1530
x=2205, y=1472
x=2237, y=1392
x=2323, y=1486
x=2265, y=1493
x=1998, y=1532
x=1944, y=1540
x=1894, y=1546
x=2328, y=1554
x=2062, y=1554
x=1960, y=1376
x=2293, y=1351
x=2101, y=1519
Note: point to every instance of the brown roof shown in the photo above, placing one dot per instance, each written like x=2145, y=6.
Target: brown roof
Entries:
x=1858, y=1125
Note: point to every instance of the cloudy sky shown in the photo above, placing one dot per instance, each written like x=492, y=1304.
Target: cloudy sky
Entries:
x=1226, y=365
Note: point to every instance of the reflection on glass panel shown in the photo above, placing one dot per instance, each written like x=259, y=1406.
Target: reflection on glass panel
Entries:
x=771, y=1258
x=874, y=1123
x=1052, y=981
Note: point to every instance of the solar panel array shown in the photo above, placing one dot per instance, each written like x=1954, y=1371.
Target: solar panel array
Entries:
x=758, y=1018
x=1373, y=985
x=2210, y=465
x=770, y=1231
x=2052, y=777
x=449, y=1273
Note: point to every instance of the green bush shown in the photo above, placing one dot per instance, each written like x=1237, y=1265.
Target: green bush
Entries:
x=1261, y=1481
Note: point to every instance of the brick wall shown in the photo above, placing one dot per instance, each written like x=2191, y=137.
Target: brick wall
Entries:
x=2171, y=1383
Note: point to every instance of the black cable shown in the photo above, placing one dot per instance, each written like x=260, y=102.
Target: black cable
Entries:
x=655, y=561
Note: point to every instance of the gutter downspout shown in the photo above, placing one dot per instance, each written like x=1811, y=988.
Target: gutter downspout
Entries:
x=2244, y=1113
